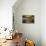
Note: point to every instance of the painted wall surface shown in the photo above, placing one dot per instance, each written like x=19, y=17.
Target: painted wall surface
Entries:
x=6, y=16
x=43, y=22
x=6, y=13
x=28, y=7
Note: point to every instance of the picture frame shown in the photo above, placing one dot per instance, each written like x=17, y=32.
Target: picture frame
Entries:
x=28, y=19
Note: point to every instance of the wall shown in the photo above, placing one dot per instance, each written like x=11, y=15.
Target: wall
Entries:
x=28, y=7
x=6, y=13
x=6, y=16
x=43, y=22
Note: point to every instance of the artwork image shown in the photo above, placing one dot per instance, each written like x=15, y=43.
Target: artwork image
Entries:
x=28, y=19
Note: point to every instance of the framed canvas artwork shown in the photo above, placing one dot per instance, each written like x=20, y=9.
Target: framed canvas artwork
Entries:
x=28, y=19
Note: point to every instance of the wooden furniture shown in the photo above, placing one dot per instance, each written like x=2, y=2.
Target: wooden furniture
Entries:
x=18, y=39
